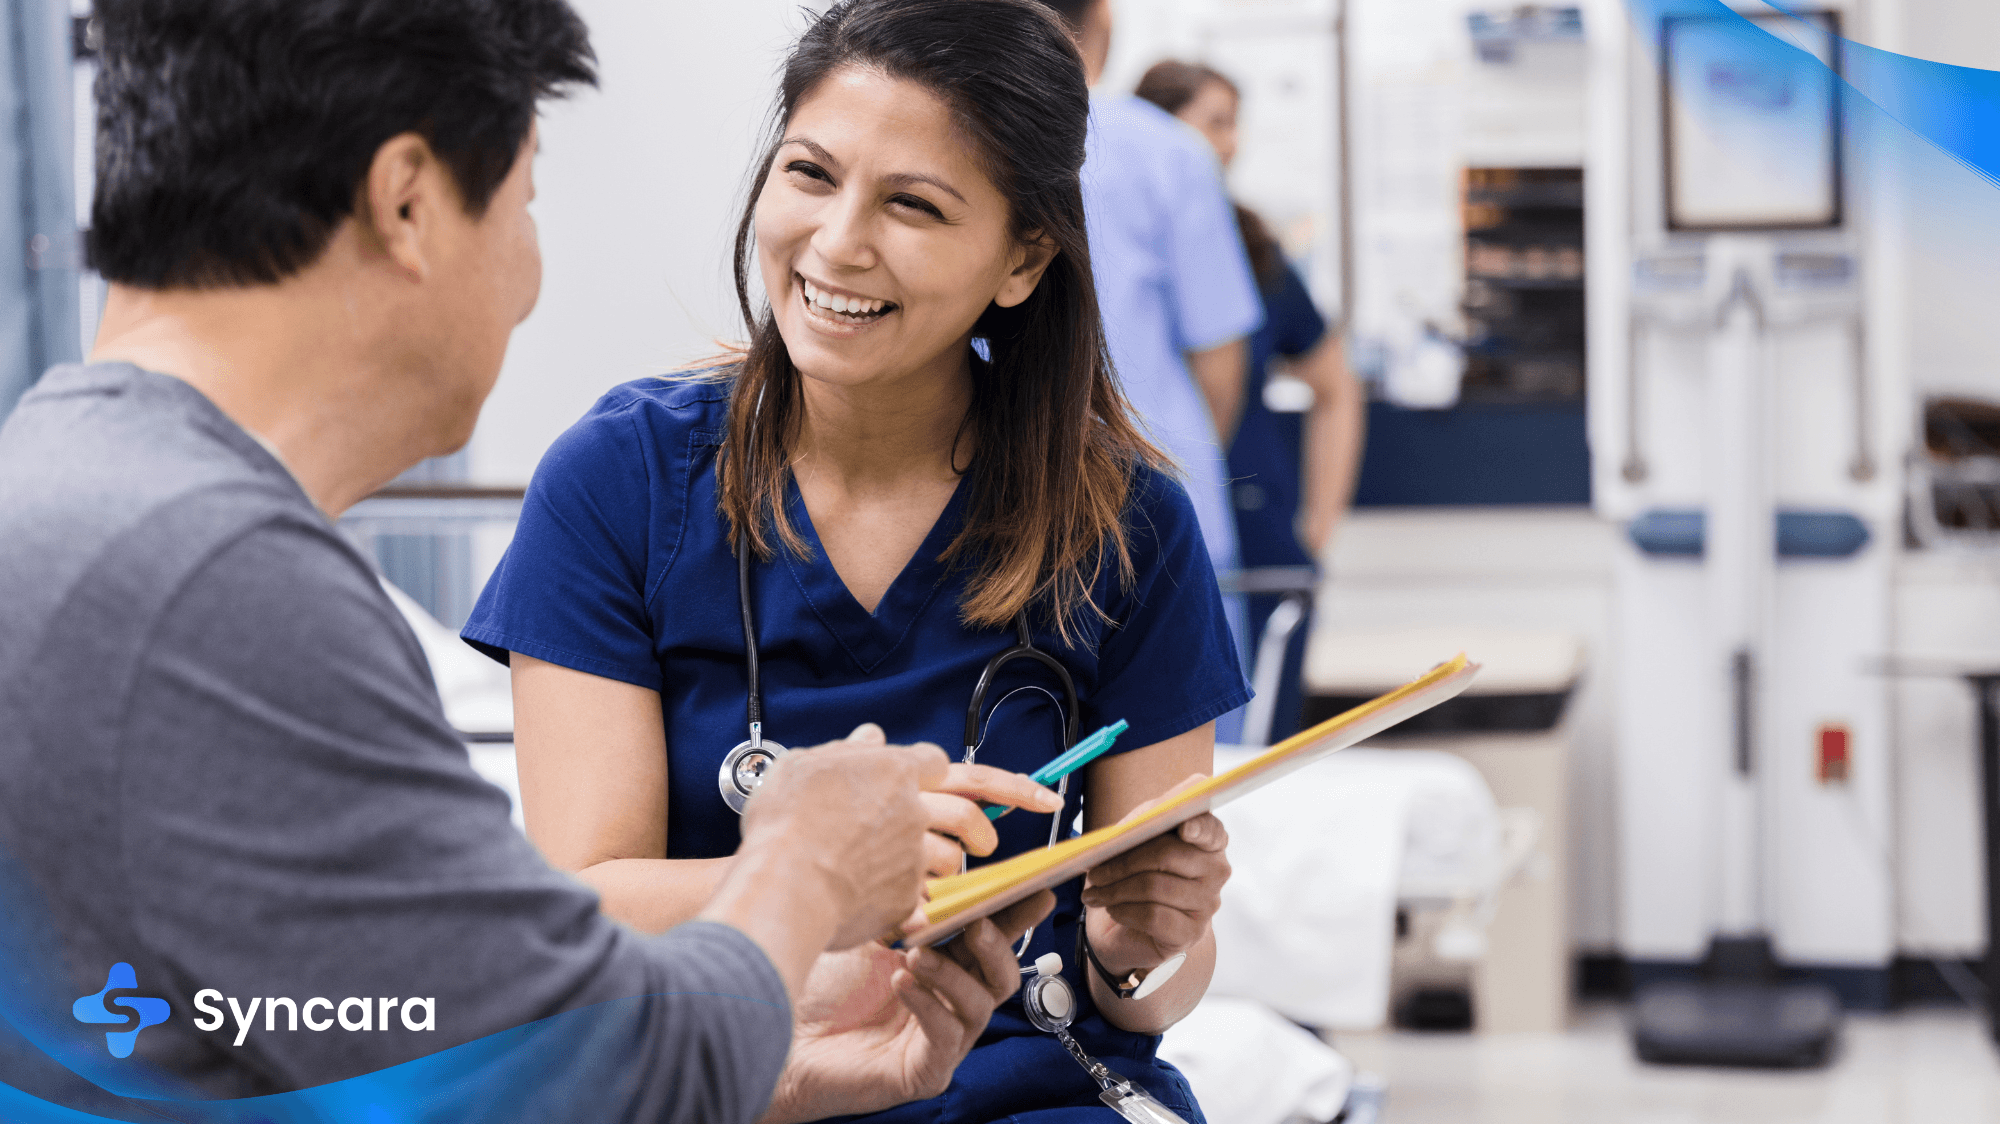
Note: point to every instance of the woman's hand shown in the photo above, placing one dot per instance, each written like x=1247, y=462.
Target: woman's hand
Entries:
x=877, y=1028
x=1335, y=433
x=1316, y=527
x=1156, y=900
x=958, y=825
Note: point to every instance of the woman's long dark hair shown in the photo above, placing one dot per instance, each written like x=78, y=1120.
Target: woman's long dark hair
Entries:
x=1171, y=84
x=1054, y=437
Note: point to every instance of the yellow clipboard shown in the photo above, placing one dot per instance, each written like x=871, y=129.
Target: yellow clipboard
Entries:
x=961, y=899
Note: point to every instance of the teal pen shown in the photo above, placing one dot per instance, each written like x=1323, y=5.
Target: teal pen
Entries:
x=1078, y=755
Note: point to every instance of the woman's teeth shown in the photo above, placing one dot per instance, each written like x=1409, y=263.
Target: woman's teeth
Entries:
x=851, y=306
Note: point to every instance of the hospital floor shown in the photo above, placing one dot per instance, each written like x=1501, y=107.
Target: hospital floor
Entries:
x=1922, y=1066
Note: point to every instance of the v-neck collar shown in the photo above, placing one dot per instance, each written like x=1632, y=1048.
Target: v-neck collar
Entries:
x=869, y=637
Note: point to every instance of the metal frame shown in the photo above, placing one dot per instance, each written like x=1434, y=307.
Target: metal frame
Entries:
x=1295, y=584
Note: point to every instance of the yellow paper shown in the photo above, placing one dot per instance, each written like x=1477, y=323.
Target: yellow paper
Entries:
x=961, y=899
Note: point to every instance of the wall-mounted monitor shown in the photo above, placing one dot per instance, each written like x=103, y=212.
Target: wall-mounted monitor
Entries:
x=1752, y=121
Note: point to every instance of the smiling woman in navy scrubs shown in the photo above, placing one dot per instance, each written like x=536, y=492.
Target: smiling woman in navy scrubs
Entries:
x=906, y=499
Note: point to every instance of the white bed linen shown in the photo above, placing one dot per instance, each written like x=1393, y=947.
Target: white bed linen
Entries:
x=477, y=693
x=1308, y=917
x=1249, y=1066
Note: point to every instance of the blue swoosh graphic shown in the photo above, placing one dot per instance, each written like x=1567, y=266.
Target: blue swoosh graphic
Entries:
x=527, y=1073
x=1955, y=108
x=518, y=1074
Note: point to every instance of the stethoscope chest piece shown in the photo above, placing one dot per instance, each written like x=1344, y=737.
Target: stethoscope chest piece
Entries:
x=743, y=769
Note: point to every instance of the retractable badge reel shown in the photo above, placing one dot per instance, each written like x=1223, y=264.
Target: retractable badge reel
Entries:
x=1051, y=1007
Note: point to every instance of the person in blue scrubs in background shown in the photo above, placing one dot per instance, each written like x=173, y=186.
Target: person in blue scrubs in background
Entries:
x=1178, y=297
x=1291, y=476
x=921, y=445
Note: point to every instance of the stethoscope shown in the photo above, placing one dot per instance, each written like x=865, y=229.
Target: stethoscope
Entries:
x=1046, y=997
x=744, y=766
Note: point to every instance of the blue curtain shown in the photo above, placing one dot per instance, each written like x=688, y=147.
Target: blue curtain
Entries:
x=39, y=249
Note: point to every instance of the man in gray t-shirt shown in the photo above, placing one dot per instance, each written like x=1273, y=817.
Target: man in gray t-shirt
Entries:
x=224, y=764
x=241, y=851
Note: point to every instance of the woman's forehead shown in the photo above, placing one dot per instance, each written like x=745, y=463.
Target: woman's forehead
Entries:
x=876, y=124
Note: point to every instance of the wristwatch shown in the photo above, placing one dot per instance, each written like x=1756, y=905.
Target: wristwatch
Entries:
x=1139, y=983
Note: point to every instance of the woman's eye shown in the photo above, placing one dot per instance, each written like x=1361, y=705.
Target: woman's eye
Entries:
x=813, y=171
x=916, y=204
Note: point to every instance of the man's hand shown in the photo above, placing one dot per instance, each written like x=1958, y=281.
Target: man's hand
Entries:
x=958, y=825
x=857, y=810
x=833, y=850
x=878, y=1028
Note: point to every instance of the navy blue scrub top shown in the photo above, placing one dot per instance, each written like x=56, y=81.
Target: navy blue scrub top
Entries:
x=622, y=567
x=1265, y=464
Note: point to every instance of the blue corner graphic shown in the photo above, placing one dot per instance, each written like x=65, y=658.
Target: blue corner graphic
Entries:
x=94, y=1009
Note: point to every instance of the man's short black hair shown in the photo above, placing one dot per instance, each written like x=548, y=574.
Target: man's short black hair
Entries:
x=233, y=135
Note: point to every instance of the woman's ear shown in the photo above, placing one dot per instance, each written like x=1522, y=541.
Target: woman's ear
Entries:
x=1032, y=256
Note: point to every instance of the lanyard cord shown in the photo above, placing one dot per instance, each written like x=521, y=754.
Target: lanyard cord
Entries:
x=756, y=698
x=1105, y=1077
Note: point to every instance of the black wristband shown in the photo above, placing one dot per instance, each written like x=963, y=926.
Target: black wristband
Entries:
x=1084, y=953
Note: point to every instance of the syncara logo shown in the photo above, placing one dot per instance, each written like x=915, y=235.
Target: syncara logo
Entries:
x=94, y=1009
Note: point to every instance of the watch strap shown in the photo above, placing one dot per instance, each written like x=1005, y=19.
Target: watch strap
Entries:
x=1135, y=981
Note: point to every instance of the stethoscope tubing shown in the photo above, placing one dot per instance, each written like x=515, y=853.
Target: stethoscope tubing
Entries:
x=750, y=659
x=1024, y=648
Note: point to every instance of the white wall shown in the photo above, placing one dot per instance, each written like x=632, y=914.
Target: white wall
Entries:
x=1948, y=287
x=637, y=187
x=1951, y=217
x=1426, y=108
x=1281, y=54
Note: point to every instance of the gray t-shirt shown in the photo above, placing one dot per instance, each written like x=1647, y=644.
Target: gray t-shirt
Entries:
x=223, y=762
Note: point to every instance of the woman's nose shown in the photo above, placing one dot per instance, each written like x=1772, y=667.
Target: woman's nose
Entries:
x=844, y=239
